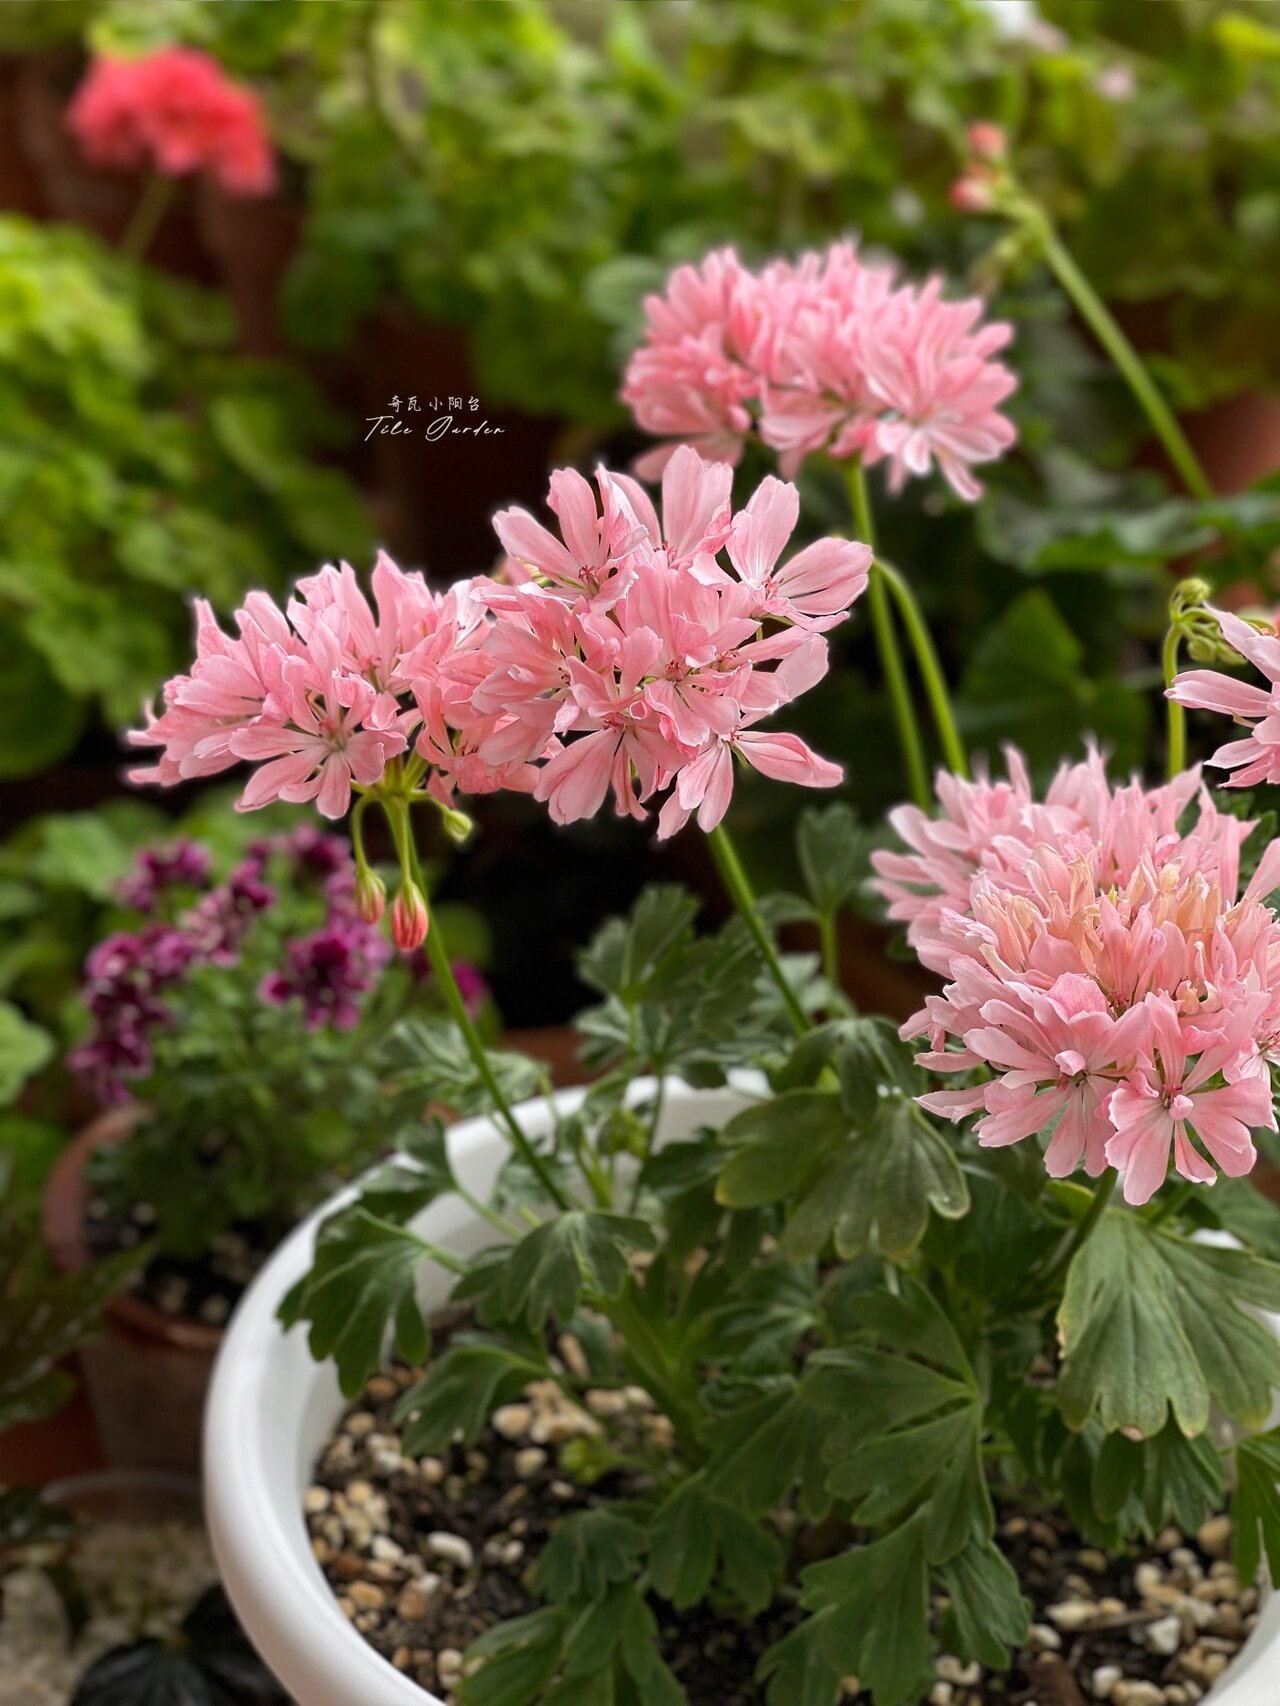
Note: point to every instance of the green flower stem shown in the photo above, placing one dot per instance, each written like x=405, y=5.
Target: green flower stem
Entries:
x=1177, y=716
x=736, y=882
x=891, y=664
x=1093, y=1214
x=397, y=811
x=935, y=683
x=1098, y=316
x=152, y=206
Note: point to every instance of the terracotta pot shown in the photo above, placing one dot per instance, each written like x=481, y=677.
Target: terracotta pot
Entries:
x=252, y=241
x=556, y=1046
x=147, y=1375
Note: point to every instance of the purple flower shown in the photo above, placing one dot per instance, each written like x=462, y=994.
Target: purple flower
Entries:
x=179, y=864
x=316, y=853
x=219, y=922
x=125, y=977
x=328, y=970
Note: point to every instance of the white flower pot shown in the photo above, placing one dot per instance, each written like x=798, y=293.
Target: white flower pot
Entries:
x=271, y=1408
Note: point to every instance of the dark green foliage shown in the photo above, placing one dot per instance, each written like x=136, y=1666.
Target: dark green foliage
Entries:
x=210, y=1664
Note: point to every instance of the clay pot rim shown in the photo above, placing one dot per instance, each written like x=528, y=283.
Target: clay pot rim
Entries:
x=66, y=1199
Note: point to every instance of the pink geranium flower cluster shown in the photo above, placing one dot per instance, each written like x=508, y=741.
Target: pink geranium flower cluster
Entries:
x=829, y=353
x=623, y=655
x=1255, y=758
x=177, y=112
x=1100, y=965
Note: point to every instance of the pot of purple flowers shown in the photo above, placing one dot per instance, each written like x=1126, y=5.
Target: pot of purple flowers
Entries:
x=230, y=1028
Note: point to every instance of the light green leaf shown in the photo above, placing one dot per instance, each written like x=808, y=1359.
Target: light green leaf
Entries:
x=1255, y=1509
x=362, y=1282
x=462, y=1389
x=587, y=1554
x=1151, y=1322
x=24, y=1049
x=579, y=1253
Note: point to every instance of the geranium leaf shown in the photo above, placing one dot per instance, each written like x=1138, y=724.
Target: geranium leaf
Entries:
x=878, y=1191
x=581, y=1252
x=587, y=1554
x=988, y=1614
x=363, y=1281
x=1255, y=1509
x=881, y=1637
x=1150, y=1322
x=696, y=1536
x=461, y=1390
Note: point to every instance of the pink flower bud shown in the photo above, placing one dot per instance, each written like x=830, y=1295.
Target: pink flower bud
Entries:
x=972, y=195
x=988, y=141
x=409, y=920
x=371, y=896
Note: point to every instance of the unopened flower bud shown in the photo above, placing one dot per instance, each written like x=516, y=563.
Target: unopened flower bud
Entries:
x=409, y=919
x=988, y=141
x=371, y=895
x=457, y=825
x=972, y=195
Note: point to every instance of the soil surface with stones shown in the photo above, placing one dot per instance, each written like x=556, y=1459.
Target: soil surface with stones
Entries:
x=426, y=1554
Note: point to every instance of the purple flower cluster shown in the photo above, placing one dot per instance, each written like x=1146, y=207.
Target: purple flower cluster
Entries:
x=182, y=864
x=327, y=970
x=125, y=977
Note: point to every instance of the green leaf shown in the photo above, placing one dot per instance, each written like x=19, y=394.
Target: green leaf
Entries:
x=765, y=1445
x=43, y=1320
x=1255, y=1508
x=1047, y=708
x=878, y=1192
x=24, y=1049
x=587, y=1554
x=462, y=1389
x=39, y=724
x=431, y=1055
x=581, y=1253
x=697, y=1536
x=777, y=1147
x=520, y=1657
x=880, y=1636
x=988, y=1614
x=363, y=1280
x=1151, y=1322
x=627, y=955
x=834, y=856
x=797, y=1670
x=1146, y=1484
x=904, y=1438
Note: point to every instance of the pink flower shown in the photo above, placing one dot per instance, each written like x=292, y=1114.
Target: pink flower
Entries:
x=1256, y=758
x=937, y=388
x=177, y=111
x=817, y=586
x=632, y=656
x=1100, y=965
x=1171, y=1099
x=829, y=355
x=694, y=376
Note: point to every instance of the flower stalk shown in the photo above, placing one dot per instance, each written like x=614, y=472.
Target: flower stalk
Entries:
x=740, y=892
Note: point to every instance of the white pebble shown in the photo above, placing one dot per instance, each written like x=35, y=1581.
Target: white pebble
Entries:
x=1104, y=1680
x=1164, y=1637
x=451, y=1549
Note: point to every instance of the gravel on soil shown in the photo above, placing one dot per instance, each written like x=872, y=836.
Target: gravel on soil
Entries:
x=426, y=1554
